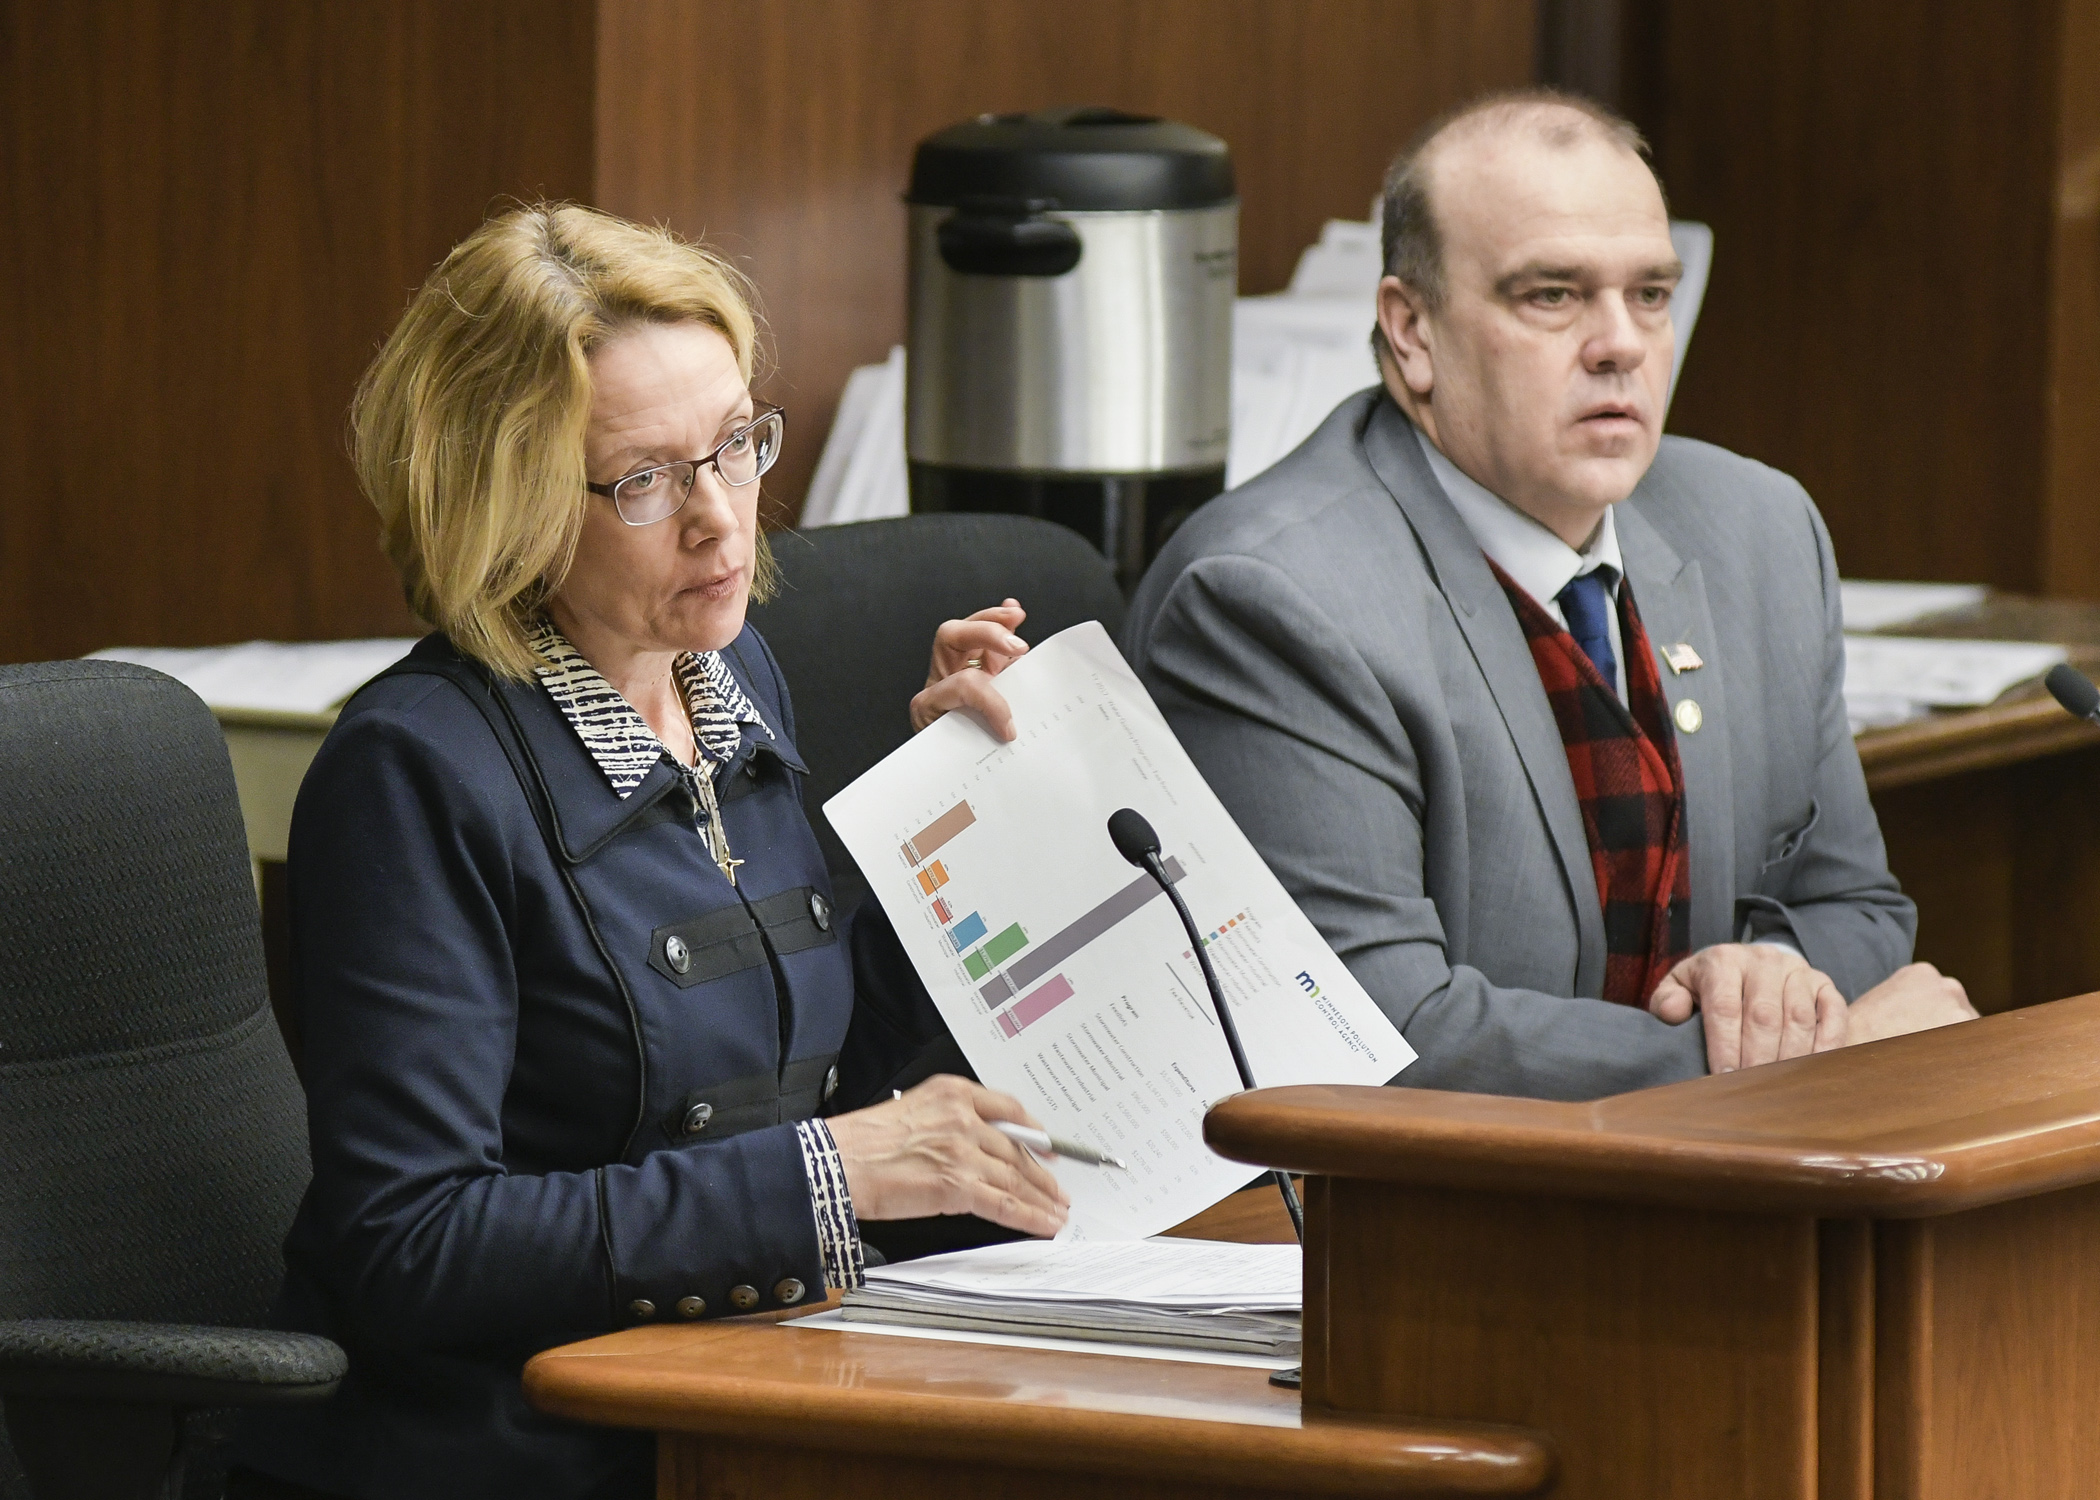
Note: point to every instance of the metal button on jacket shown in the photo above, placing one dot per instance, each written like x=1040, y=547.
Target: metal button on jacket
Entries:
x=788, y=1291
x=820, y=912
x=831, y=1082
x=697, y=1117
x=677, y=954
x=691, y=1307
x=743, y=1298
x=642, y=1307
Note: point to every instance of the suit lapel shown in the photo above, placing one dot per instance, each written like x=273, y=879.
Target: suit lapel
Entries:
x=1671, y=593
x=1499, y=649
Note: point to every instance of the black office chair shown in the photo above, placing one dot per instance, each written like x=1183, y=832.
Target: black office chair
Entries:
x=154, y=1135
x=854, y=623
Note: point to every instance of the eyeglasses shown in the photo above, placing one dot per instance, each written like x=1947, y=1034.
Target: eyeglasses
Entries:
x=650, y=495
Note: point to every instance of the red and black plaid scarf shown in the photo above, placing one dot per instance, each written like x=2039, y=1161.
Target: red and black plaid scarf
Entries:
x=1631, y=787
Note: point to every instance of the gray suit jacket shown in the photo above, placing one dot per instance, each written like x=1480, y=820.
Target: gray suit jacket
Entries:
x=1330, y=646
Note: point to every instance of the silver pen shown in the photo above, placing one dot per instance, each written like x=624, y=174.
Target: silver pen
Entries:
x=1042, y=1143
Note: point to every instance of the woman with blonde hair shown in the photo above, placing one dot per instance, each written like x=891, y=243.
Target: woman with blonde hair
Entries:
x=569, y=989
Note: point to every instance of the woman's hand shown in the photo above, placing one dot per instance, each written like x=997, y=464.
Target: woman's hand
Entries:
x=967, y=655
x=934, y=1151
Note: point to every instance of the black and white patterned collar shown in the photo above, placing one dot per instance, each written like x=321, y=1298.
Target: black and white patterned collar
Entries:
x=618, y=738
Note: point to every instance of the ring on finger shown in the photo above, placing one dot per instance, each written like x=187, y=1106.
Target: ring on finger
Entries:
x=975, y=663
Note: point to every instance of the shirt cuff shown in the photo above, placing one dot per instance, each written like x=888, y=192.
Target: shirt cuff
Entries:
x=838, y=1231
x=1778, y=940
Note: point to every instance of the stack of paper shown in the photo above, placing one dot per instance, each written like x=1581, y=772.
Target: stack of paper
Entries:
x=1294, y=359
x=861, y=474
x=1891, y=678
x=1197, y=1294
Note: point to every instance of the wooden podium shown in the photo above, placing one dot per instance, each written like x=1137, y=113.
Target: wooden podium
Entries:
x=1870, y=1275
x=1874, y=1273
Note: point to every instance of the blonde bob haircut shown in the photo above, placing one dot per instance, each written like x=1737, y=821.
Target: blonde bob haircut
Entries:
x=467, y=431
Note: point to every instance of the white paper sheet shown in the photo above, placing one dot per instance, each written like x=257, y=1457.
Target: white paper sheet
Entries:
x=303, y=677
x=1876, y=605
x=1062, y=972
x=861, y=474
x=834, y=1322
x=1941, y=674
x=1294, y=359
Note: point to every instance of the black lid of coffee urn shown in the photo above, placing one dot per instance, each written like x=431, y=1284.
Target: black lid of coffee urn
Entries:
x=1077, y=159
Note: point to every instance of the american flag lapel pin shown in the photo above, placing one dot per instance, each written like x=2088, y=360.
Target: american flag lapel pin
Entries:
x=1682, y=658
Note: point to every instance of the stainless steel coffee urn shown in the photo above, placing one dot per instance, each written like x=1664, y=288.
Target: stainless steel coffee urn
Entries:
x=1070, y=356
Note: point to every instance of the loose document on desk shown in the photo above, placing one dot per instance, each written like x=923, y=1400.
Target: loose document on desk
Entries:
x=1891, y=679
x=1062, y=971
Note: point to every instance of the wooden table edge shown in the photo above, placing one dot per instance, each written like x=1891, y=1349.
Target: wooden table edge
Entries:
x=1670, y=1173
x=1975, y=741
x=1322, y=1453
x=1730, y=1143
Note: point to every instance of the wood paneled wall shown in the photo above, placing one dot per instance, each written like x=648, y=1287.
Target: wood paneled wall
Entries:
x=215, y=209
x=784, y=131
x=1905, y=306
x=213, y=212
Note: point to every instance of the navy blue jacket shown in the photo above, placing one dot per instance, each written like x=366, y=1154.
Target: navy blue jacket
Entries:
x=503, y=1055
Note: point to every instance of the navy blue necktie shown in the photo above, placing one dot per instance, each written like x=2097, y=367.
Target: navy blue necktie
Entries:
x=1586, y=601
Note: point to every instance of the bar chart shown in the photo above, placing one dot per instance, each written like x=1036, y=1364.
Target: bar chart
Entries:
x=1010, y=969
x=968, y=933
x=1069, y=940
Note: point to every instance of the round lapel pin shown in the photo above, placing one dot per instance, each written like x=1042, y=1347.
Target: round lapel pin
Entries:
x=1689, y=715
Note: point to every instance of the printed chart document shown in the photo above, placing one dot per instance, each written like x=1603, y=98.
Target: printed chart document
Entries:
x=1062, y=971
x=1193, y=1294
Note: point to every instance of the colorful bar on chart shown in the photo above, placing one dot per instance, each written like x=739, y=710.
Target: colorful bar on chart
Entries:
x=966, y=932
x=1038, y=1004
x=1063, y=944
x=941, y=912
x=995, y=953
x=1005, y=945
x=933, y=877
x=927, y=842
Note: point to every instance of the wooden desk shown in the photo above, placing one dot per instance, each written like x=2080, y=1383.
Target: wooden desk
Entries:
x=1869, y=1275
x=1989, y=816
x=751, y=1409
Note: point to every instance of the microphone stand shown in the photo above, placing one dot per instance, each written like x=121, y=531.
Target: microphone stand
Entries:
x=1136, y=842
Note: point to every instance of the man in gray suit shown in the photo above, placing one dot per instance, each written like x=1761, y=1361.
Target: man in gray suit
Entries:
x=1537, y=713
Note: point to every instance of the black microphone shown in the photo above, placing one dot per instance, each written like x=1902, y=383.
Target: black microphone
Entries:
x=1136, y=842
x=2068, y=686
